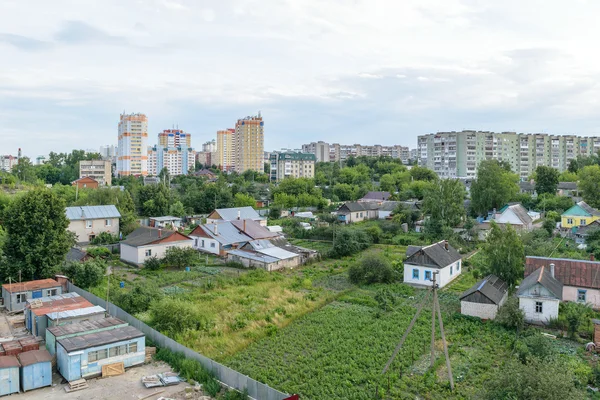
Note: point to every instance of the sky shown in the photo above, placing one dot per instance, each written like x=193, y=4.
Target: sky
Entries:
x=342, y=71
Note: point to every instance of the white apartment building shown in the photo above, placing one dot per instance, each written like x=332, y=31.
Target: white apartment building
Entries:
x=177, y=160
x=132, y=158
x=335, y=152
x=8, y=162
x=292, y=165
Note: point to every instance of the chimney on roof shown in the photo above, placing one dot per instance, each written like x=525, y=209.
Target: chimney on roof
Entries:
x=159, y=233
x=446, y=245
x=216, y=229
x=552, y=270
x=239, y=214
x=244, y=225
x=592, y=257
x=82, y=213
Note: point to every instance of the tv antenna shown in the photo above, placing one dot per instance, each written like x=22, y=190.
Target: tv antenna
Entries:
x=435, y=307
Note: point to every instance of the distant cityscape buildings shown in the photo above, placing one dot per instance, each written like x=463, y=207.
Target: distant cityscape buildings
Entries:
x=8, y=162
x=108, y=152
x=325, y=152
x=291, y=165
x=242, y=148
x=458, y=154
x=99, y=170
x=132, y=154
x=174, y=152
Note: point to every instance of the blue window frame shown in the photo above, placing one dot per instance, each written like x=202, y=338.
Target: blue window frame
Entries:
x=415, y=273
x=581, y=295
x=427, y=275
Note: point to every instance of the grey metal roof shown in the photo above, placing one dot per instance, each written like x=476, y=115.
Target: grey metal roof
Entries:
x=166, y=218
x=543, y=277
x=491, y=287
x=145, y=235
x=381, y=196
x=230, y=214
x=76, y=254
x=254, y=256
x=47, y=299
x=92, y=212
x=434, y=255
x=96, y=339
x=588, y=209
x=567, y=185
x=84, y=326
x=80, y=312
x=226, y=233
x=526, y=185
x=267, y=248
x=253, y=229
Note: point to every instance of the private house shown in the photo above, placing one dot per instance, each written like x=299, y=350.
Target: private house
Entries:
x=285, y=258
x=77, y=255
x=167, y=222
x=539, y=295
x=217, y=238
x=206, y=173
x=85, y=183
x=354, y=211
x=527, y=187
x=145, y=242
x=376, y=196
x=515, y=215
x=568, y=189
x=484, y=298
x=36, y=369
x=15, y=295
x=55, y=333
x=580, y=214
x=83, y=356
x=9, y=375
x=582, y=232
x=89, y=221
x=232, y=214
x=421, y=262
x=253, y=229
x=580, y=279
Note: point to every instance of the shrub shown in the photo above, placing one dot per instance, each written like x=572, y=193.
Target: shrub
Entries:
x=349, y=241
x=152, y=264
x=371, y=269
x=510, y=315
x=96, y=252
x=139, y=298
x=85, y=274
x=105, y=238
x=180, y=257
x=175, y=316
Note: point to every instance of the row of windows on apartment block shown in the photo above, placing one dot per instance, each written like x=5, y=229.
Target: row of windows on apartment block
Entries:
x=114, y=351
x=428, y=274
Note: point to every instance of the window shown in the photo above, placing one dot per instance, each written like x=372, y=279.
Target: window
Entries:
x=21, y=297
x=51, y=292
x=356, y=215
x=149, y=253
x=415, y=273
x=132, y=347
x=581, y=295
x=107, y=222
x=451, y=270
x=570, y=221
x=117, y=351
x=427, y=275
x=539, y=307
x=88, y=224
x=202, y=242
x=97, y=355
x=212, y=245
x=582, y=222
x=458, y=266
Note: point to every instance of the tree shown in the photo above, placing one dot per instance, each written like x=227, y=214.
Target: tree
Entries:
x=179, y=257
x=589, y=185
x=24, y=170
x=387, y=183
x=567, y=176
x=37, y=238
x=422, y=174
x=549, y=225
x=85, y=274
x=139, y=298
x=152, y=263
x=575, y=314
x=503, y=253
x=177, y=210
x=243, y=200
x=546, y=180
x=510, y=315
x=444, y=201
x=494, y=186
x=349, y=241
x=175, y=316
x=371, y=269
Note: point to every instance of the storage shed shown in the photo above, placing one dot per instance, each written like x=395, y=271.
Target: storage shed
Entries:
x=83, y=356
x=36, y=320
x=485, y=298
x=36, y=369
x=93, y=313
x=9, y=375
x=55, y=333
x=15, y=295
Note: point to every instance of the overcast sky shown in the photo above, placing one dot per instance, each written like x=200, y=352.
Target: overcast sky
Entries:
x=353, y=71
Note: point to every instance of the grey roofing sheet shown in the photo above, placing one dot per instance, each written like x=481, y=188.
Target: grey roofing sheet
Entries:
x=34, y=357
x=521, y=213
x=376, y=196
x=76, y=254
x=584, y=230
x=267, y=248
x=165, y=218
x=253, y=256
x=567, y=185
x=96, y=339
x=253, y=229
x=230, y=214
x=543, y=277
x=92, y=212
x=590, y=210
x=85, y=326
x=491, y=287
x=48, y=299
x=437, y=253
x=225, y=233
x=144, y=235
x=80, y=312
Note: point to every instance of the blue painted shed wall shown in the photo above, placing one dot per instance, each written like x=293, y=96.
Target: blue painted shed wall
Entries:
x=75, y=365
x=9, y=381
x=36, y=376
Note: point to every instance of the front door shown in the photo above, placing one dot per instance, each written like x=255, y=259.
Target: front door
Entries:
x=36, y=295
x=74, y=367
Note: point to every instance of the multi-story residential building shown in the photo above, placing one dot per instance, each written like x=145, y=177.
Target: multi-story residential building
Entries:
x=177, y=160
x=414, y=154
x=294, y=165
x=39, y=160
x=249, y=144
x=320, y=149
x=108, y=152
x=458, y=154
x=132, y=158
x=225, y=149
x=325, y=152
x=99, y=170
x=210, y=146
x=174, y=138
x=8, y=162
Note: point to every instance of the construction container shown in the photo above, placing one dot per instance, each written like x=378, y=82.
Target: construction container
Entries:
x=9, y=375
x=36, y=369
x=55, y=333
x=29, y=343
x=12, y=348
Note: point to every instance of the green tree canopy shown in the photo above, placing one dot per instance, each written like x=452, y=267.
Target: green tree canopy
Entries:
x=444, y=201
x=589, y=185
x=546, y=180
x=494, y=187
x=503, y=253
x=85, y=274
x=243, y=200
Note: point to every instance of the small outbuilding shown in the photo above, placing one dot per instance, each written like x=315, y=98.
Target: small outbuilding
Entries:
x=15, y=295
x=539, y=295
x=9, y=375
x=84, y=356
x=485, y=298
x=60, y=318
x=55, y=333
x=36, y=369
x=36, y=318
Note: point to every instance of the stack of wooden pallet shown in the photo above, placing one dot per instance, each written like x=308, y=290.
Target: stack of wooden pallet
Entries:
x=150, y=351
x=74, y=386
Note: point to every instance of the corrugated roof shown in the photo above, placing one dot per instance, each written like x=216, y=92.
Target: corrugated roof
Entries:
x=491, y=287
x=9, y=362
x=588, y=209
x=269, y=249
x=253, y=229
x=34, y=357
x=521, y=213
x=167, y=218
x=61, y=304
x=254, y=256
x=96, y=339
x=85, y=326
x=76, y=254
x=435, y=253
x=381, y=196
x=145, y=235
x=225, y=233
x=231, y=214
x=31, y=285
x=578, y=273
x=92, y=212
x=584, y=230
x=543, y=277
x=78, y=312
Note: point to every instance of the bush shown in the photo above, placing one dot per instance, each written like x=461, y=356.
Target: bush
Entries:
x=105, y=238
x=175, y=316
x=96, y=252
x=152, y=264
x=510, y=315
x=349, y=241
x=85, y=274
x=180, y=257
x=139, y=298
x=371, y=269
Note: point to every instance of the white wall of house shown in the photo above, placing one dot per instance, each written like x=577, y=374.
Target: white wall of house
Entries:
x=592, y=296
x=207, y=245
x=137, y=255
x=529, y=306
x=445, y=276
x=84, y=228
x=384, y=214
x=480, y=310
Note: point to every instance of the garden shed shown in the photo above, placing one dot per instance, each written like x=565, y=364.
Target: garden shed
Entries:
x=55, y=333
x=84, y=356
x=36, y=369
x=36, y=320
x=485, y=298
x=15, y=295
x=9, y=375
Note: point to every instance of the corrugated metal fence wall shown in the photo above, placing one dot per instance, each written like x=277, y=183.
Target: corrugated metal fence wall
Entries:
x=229, y=377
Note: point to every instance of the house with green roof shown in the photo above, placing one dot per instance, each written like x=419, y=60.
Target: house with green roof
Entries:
x=581, y=214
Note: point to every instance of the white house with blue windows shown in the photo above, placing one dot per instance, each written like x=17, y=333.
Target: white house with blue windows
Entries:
x=422, y=261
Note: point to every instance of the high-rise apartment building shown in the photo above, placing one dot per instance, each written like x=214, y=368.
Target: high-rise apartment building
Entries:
x=326, y=152
x=177, y=160
x=8, y=162
x=458, y=154
x=99, y=170
x=210, y=146
x=108, y=152
x=292, y=165
x=132, y=158
x=174, y=138
x=225, y=150
x=320, y=149
x=248, y=143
